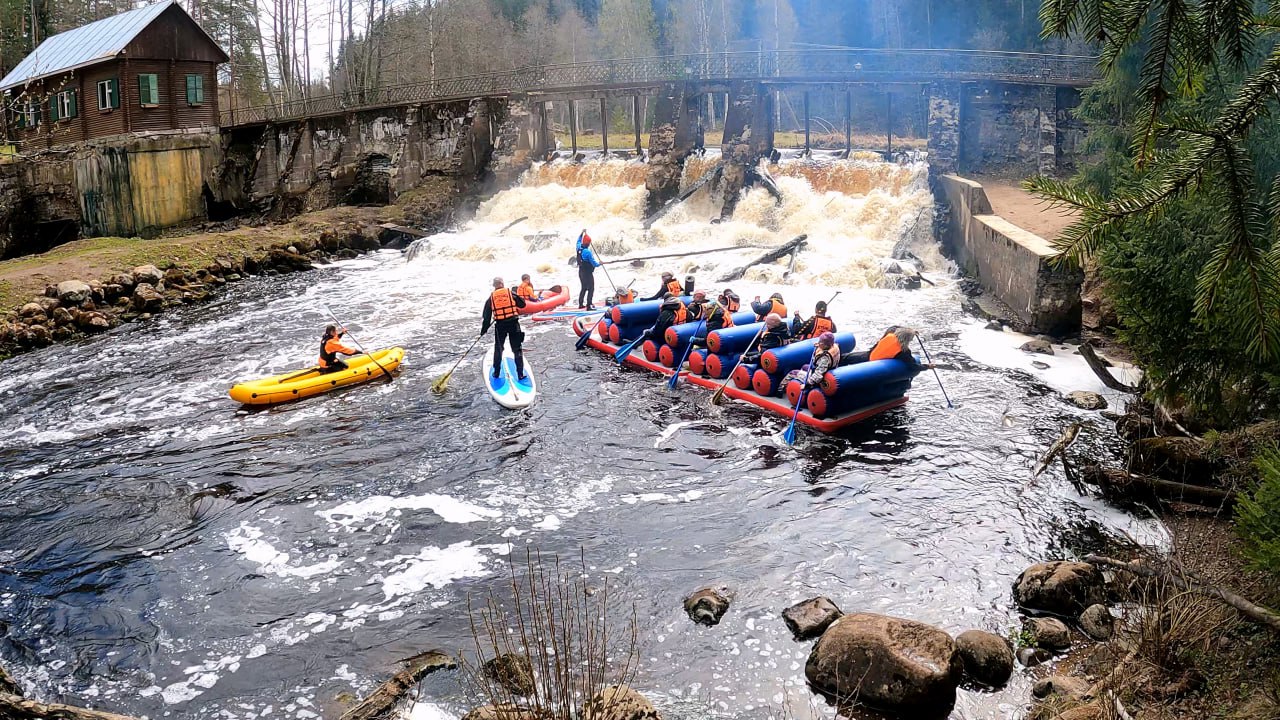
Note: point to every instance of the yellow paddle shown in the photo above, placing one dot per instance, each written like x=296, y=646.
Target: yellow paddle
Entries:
x=442, y=382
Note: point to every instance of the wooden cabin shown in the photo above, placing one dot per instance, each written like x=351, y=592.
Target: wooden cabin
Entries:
x=146, y=70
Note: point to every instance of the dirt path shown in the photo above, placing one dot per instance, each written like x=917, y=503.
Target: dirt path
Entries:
x=1023, y=209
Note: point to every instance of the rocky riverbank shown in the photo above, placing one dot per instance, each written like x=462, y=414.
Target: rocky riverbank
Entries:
x=91, y=286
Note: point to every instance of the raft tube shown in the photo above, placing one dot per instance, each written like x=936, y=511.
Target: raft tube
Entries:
x=307, y=382
x=698, y=361
x=643, y=313
x=742, y=376
x=776, y=406
x=734, y=339
x=780, y=361
x=558, y=295
x=820, y=405
x=865, y=377
x=719, y=366
x=677, y=335
x=650, y=350
x=765, y=383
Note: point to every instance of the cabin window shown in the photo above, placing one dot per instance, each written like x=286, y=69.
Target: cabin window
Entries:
x=108, y=95
x=148, y=90
x=64, y=105
x=29, y=114
x=195, y=89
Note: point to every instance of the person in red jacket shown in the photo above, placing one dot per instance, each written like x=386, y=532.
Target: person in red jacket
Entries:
x=330, y=346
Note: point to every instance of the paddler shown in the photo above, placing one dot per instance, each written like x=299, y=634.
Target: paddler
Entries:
x=730, y=300
x=775, y=336
x=330, y=346
x=894, y=345
x=501, y=310
x=587, y=264
x=624, y=296
x=697, y=306
x=671, y=312
x=526, y=290
x=670, y=285
x=717, y=319
x=826, y=357
x=814, y=326
x=773, y=305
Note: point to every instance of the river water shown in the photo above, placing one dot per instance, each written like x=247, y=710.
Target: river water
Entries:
x=168, y=554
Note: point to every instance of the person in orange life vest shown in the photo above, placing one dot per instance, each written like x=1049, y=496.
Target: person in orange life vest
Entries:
x=526, y=290
x=672, y=312
x=697, y=306
x=587, y=264
x=730, y=300
x=775, y=335
x=625, y=296
x=773, y=305
x=330, y=346
x=826, y=357
x=717, y=319
x=895, y=345
x=501, y=310
x=669, y=285
x=814, y=326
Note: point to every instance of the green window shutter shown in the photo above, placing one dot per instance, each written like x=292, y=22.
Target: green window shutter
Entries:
x=115, y=92
x=155, y=90
x=72, y=110
x=195, y=89
x=53, y=109
x=22, y=119
x=148, y=90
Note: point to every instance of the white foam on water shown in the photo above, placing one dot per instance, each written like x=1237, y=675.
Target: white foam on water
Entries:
x=247, y=541
x=378, y=508
x=429, y=711
x=434, y=567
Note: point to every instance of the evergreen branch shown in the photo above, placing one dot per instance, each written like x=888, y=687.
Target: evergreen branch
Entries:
x=1251, y=99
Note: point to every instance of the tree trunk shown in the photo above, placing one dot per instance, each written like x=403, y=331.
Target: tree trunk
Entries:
x=14, y=707
x=771, y=256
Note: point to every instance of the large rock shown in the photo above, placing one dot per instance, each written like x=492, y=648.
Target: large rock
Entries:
x=124, y=280
x=512, y=671
x=73, y=292
x=147, y=299
x=1096, y=622
x=62, y=316
x=94, y=322
x=811, y=618
x=1087, y=400
x=1033, y=656
x=1037, y=346
x=31, y=309
x=149, y=274
x=618, y=702
x=1060, y=587
x=1047, y=633
x=707, y=605
x=888, y=663
x=987, y=658
x=1062, y=686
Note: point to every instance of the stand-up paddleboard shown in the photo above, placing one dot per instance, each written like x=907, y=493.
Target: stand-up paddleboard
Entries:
x=505, y=389
x=563, y=315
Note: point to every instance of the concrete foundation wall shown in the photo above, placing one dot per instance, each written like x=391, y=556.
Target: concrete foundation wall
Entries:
x=1011, y=263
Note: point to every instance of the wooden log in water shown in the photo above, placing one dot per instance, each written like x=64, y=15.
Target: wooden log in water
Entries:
x=16, y=707
x=384, y=699
x=1127, y=483
x=634, y=260
x=411, y=232
x=513, y=223
x=689, y=191
x=771, y=256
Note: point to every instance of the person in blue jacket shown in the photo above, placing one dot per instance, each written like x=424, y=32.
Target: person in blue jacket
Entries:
x=587, y=264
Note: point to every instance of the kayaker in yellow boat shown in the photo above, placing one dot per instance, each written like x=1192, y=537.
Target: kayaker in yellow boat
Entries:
x=330, y=346
x=500, y=311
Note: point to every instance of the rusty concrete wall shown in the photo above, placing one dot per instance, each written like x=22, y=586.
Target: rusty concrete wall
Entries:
x=1010, y=262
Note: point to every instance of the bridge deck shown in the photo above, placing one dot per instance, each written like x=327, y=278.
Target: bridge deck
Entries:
x=847, y=66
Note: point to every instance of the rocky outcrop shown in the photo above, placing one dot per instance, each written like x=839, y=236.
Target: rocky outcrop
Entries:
x=147, y=274
x=146, y=298
x=1061, y=587
x=618, y=702
x=887, y=663
x=1037, y=346
x=987, y=658
x=707, y=605
x=811, y=618
x=1086, y=400
x=512, y=671
x=1096, y=622
x=1048, y=633
x=73, y=292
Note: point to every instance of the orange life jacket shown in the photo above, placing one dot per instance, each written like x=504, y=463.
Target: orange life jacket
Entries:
x=674, y=287
x=732, y=304
x=329, y=349
x=682, y=315
x=820, y=325
x=716, y=309
x=627, y=298
x=888, y=347
x=526, y=291
x=504, y=306
x=776, y=308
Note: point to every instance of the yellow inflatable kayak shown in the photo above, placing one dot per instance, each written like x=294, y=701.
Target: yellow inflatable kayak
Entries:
x=305, y=383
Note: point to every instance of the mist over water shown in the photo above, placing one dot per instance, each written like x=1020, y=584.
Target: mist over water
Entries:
x=166, y=553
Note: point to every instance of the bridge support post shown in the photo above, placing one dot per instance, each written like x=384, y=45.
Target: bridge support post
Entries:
x=848, y=123
x=748, y=137
x=674, y=137
x=944, y=128
x=573, y=127
x=604, y=125
x=888, y=97
x=1047, y=104
x=637, y=122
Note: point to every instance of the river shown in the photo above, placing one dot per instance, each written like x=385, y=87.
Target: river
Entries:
x=168, y=554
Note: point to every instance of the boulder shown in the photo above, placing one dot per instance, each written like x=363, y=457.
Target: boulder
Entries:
x=175, y=276
x=1039, y=365
x=887, y=663
x=147, y=299
x=62, y=316
x=1031, y=657
x=994, y=325
x=1086, y=400
x=124, y=280
x=286, y=261
x=618, y=702
x=31, y=309
x=811, y=618
x=39, y=336
x=708, y=605
x=149, y=274
x=1042, y=347
x=1097, y=623
x=512, y=671
x=74, y=292
x=987, y=658
x=1047, y=633
x=47, y=302
x=1060, y=587
x=1061, y=685
x=94, y=322
x=112, y=291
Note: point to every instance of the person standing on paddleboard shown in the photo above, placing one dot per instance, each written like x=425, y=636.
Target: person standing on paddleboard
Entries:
x=587, y=264
x=501, y=310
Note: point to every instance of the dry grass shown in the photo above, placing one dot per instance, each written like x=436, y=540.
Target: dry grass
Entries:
x=577, y=641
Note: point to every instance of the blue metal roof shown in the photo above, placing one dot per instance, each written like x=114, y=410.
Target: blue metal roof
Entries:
x=85, y=45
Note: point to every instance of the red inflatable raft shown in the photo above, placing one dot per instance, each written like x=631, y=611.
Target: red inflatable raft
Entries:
x=552, y=298
x=776, y=405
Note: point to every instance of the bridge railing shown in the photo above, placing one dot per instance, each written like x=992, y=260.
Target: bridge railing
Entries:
x=843, y=65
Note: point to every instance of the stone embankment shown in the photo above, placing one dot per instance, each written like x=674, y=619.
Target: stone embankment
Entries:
x=89, y=303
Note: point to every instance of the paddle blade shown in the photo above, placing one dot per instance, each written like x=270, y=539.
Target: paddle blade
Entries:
x=718, y=396
x=625, y=350
x=441, y=383
x=582, y=341
x=674, y=381
x=790, y=435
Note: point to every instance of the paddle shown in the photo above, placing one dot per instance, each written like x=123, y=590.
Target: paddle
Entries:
x=357, y=342
x=297, y=375
x=675, y=377
x=625, y=350
x=790, y=434
x=718, y=396
x=439, y=385
x=935, y=371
